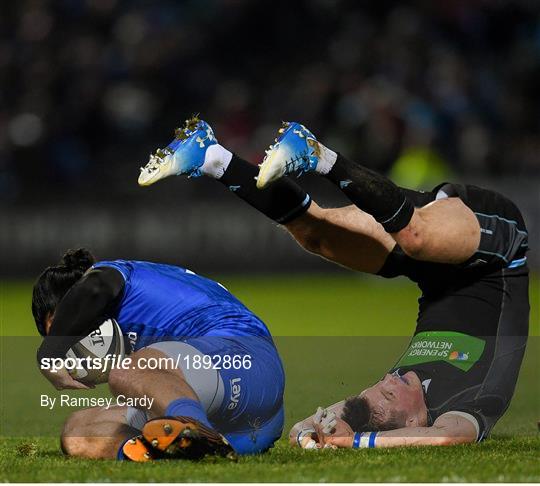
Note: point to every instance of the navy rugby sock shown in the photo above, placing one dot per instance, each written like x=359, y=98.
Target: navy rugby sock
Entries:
x=120, y=456
x=373, y=193
x=187, y=407
x=283, y=201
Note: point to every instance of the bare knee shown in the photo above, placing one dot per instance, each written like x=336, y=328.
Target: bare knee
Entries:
x=411, y=242
x=128, y=380
x=411, y=239
x=95, y=433
x=120, y=380
x=152, y=374
x=74, y=440
x=76, y=446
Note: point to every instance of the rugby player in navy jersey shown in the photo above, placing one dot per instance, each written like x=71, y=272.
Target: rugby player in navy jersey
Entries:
x=463, y=245
x=232, y=406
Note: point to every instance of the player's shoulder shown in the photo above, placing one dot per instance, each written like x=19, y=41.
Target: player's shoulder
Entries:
x=138, y=272
x=145, y=268
x=125, y=267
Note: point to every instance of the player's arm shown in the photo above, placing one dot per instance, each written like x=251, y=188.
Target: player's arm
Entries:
x=82, y=309
x=347, y=236
x=78, y=314
x=448, y=429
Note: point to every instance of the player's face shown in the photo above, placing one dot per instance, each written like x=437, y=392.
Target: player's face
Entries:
x=398, y=397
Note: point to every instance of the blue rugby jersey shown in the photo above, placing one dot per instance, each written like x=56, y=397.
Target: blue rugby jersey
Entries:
x=164, y=300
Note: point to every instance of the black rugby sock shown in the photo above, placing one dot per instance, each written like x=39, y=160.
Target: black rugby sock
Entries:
x=283, y=201
x=373, y=193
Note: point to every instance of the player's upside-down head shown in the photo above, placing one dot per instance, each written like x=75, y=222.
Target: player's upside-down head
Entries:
x=392, y=403
x=54, y=282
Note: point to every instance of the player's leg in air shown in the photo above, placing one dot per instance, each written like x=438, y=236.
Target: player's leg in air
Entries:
x=436, y=226
x=417, y=230
x=335, y=234
x=189, y=405
x=465, y=246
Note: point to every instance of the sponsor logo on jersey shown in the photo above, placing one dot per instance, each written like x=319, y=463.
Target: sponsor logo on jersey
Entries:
x=449, y=346
x=236, y=390
x=459, y=356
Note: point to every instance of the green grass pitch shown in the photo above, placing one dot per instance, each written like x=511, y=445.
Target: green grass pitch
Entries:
x=310, y=314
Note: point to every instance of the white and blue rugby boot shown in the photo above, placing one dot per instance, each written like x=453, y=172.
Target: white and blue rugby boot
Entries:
x=184, y=155
x=296, y=150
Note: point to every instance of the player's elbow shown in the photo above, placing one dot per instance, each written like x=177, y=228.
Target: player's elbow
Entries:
x=443, y=441
x=450, y=440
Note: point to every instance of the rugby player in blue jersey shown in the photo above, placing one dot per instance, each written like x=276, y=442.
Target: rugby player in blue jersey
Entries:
x=233, y=406
x=463, y=245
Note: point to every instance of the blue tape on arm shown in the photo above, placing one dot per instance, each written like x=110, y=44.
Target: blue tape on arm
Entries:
x=372, y=437
x=356, y=440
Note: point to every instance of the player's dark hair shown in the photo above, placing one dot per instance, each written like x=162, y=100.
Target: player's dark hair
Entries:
x=55, y=281
x=361, y=417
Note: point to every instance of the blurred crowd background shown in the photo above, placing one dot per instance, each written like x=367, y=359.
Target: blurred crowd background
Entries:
x=421, y=90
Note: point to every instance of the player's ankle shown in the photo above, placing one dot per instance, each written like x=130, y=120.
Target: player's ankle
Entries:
x=327, y=159
x=188, y=407
x=216, y=160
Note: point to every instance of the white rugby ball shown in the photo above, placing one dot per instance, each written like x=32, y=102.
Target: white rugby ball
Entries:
x=105, y=340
